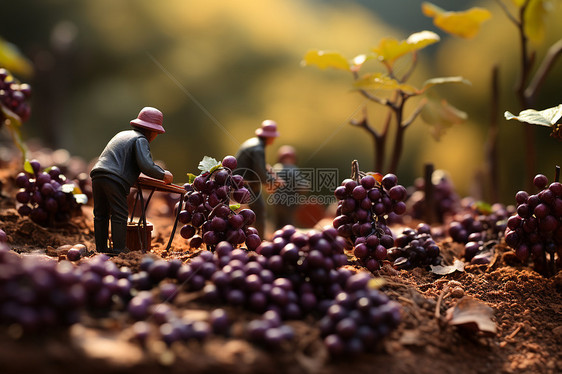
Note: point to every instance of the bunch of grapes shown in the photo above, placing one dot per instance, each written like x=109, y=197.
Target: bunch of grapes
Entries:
x=536, y=229
x=480, y=223
x=14, y=95
x=370, y=251
x=478, y=228
x=358, y=318
x=446, y=200
x=363, y=208
x=38, y=294
x=414, y=248
x=206, y=214
x=312, y=256
x=46, y=196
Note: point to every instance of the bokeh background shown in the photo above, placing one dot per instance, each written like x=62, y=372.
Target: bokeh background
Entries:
x=217, y=68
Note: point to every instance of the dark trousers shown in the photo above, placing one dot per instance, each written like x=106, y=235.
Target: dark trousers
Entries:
x=110, y=202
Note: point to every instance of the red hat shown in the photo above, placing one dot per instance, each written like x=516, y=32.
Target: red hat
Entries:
x=149, y=118
x=268, y=129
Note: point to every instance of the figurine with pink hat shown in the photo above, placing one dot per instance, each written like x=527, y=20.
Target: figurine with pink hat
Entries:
x=118, y=167
x=256, y=173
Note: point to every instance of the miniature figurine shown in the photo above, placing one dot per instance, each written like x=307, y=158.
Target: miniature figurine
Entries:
x=252, y=166
x=126, y=155
x=285, y=198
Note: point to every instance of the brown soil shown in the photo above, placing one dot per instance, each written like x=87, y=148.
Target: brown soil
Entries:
x=527, y=313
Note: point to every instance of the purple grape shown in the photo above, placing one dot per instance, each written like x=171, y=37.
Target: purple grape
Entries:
x=229, y=162
x=540, y=181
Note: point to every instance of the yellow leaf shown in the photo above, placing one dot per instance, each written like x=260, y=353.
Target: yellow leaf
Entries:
x=534, y=20
x=326, y=59
x=441, y=116
x=389, y=49
x=465, y=24
x=12, y=59
x=380, y=81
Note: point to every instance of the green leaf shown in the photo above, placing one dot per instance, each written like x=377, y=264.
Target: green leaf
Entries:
x=191, y=177
x=380, y=81
x=326, y=59
x=548, y=117
x=13, y=123
x=12, y=59
x=27, y=167
x=443, y=80
x=464, y=24
x=234, y=207
x=389, y=49
x=483, y=207
x=208, y=164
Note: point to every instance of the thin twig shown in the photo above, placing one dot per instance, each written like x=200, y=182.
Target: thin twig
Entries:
x=507, y=13
x=444, y=294
x=548, y=61
x=416, y=112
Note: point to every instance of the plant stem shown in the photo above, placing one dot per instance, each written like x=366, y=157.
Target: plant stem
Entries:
x=528, y=131
x=379, y=140
x=492, y=139
x=548, y=61
x=428, y=194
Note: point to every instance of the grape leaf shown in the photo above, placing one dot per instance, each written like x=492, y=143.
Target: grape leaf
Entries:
x=441, y=116
x=208, y=164
x=12, y=59
x=464, y=24
x=458, y=265
x=389, y=49
x=548, y=117
x=473, y=315
x=234, y=207
x=443, y=80
x=326, y=59
x=534, y=19
x=380, y=81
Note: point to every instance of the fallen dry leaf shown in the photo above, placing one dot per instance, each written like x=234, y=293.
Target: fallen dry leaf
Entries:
x=472, y=314
x=458, y=265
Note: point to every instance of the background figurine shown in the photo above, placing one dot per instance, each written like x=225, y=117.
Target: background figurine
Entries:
x=126, y=155
x=285, y=198
x=252, y=166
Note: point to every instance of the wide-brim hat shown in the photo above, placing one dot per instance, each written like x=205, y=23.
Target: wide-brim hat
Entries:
x=268, y=129
x=150, y=119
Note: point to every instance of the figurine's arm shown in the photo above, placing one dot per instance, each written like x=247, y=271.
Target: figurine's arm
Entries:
x=145, y=162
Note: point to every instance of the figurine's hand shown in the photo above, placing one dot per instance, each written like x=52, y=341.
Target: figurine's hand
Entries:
x=168, y=177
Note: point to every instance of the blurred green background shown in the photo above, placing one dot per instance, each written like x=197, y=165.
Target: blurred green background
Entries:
x=217, y=68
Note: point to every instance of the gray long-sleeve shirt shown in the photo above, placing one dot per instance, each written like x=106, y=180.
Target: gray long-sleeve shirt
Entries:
x=251, y=162
x=127, y=155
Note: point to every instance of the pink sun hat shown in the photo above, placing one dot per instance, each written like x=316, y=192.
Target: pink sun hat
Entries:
x=149, y=118
x=268, y=129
